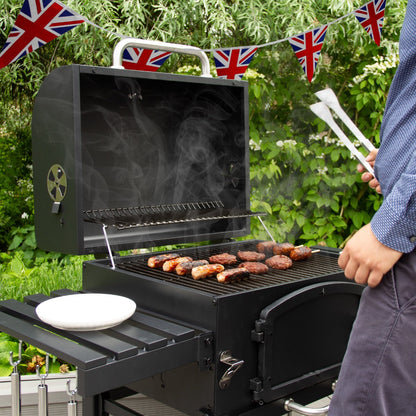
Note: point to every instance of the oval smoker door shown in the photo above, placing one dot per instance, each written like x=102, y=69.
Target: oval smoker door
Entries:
x=303, y=337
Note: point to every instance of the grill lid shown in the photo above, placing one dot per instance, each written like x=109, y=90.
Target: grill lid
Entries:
x=159, y=158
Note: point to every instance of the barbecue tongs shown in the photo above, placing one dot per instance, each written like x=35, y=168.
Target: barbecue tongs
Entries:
x=322, y=109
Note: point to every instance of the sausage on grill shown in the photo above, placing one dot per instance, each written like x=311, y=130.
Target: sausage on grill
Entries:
x=300, y=253
x=186, y=267
x=233, y=275
x=266, y=247
x=157, y=261
x=170, y=265
x=223, y=258
x=255, y=267
x=201, y=272
x=250, y=256
x=283, y=248
x=279, y=261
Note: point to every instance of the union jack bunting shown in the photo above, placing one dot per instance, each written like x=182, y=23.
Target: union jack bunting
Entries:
x=144, y=59
x=38, y=22
x=371, y=17
x=233, y=63
x=307, y=47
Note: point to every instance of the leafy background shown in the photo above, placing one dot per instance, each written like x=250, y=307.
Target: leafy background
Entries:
x=300, y=174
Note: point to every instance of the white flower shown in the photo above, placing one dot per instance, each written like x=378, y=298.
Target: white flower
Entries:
x=25, y=216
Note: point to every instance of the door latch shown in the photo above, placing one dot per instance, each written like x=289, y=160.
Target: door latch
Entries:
x=234, y=366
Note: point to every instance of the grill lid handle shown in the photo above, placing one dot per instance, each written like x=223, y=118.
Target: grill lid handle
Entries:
x=160, y=46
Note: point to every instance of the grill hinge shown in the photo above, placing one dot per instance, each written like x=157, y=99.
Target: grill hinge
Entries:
x=257, y=334
x=205, y=351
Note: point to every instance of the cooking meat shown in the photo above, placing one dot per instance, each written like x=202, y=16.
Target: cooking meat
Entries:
x=186, y=267
x=300, y=253
x=223, y=258
x=201, y=272
x=266, y=247
x=283, y=248
x=255, y=267
x=233, y=275
x=279, y=261
x=170, y=265
x=250, y=256
x=157, y=261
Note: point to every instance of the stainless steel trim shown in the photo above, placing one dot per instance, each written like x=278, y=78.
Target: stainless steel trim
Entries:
x=290, y=405
x=161, y=46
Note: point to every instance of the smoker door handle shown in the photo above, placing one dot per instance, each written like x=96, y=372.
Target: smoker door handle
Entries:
x=160, y=46
x=290, y=405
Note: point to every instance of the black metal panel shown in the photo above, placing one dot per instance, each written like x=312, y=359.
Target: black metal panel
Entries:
x=125, y=139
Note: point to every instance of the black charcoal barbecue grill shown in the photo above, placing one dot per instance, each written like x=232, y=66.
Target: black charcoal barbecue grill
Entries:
x=126, y=159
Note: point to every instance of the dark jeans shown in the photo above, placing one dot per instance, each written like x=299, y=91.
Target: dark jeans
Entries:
x=378, y=374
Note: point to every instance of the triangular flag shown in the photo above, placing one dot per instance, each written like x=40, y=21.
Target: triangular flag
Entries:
x=307, y=47
x=38, y=22
x=144, y=59
x=232, y=63
x=371, y=17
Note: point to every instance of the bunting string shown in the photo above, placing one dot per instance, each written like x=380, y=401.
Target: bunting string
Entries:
x=41, y=21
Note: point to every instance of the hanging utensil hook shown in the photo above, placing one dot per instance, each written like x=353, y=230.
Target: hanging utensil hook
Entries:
x=70, y=392
x=14, y=364
x=43, y=377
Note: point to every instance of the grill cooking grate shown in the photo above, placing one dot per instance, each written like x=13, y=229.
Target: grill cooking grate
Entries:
x=150, y=215
x=319, y=264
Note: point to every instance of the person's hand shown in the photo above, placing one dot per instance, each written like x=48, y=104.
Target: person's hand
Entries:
x=365, y=260
x=367, y=176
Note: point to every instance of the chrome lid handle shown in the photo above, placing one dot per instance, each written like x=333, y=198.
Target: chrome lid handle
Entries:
x=160, y=46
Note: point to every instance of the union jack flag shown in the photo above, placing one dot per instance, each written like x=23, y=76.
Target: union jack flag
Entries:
x=144, y=59
x=371, y=17
x=307, y=47
x=233, y=63
x=38, y=22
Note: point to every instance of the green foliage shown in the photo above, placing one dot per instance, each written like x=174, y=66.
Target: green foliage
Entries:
x=300, y=176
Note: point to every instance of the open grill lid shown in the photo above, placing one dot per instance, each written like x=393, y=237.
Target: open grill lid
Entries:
x=158, y=158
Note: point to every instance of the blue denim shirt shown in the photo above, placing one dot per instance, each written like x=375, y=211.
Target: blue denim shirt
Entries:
x=394, y=224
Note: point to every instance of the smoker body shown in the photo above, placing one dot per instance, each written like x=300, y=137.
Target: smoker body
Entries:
x=126, y=159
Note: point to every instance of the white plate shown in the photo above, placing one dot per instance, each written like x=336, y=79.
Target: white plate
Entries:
x=85, y=311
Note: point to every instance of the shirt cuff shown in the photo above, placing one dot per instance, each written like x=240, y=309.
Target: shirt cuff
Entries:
x=393, y=231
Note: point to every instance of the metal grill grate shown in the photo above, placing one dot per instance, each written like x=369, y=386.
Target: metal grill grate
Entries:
x=320, y=264
x=150, y=215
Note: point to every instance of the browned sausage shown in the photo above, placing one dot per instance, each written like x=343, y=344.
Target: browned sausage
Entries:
x=233, y=275
x=201, y=272
x=283, y=248
x=186, y=267
x=300, y=253
x=266, y=247
x=157, y=261
x=170, y=265
x=255, y=267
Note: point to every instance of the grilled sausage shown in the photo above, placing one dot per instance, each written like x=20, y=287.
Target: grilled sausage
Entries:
x=250, y=256
x=223, y=258
x=283, y=248
x=201, y=272
x=300, y=253
x=233, y=275
x=157, y=261
x=266, y=247
x=170, y=265
x=186, y=267
x=279, y=261
x=255, y=267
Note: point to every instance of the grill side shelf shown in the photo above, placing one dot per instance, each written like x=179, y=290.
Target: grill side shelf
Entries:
x=142, y=346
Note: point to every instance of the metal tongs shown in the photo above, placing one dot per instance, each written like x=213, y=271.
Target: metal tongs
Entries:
x=322, y=109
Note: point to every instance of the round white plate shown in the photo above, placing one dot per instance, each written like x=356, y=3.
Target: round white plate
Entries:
x=86, y=311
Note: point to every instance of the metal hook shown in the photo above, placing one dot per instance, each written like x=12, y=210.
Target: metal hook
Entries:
x=14, y=364
x=43, y=376
x=70, y=392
